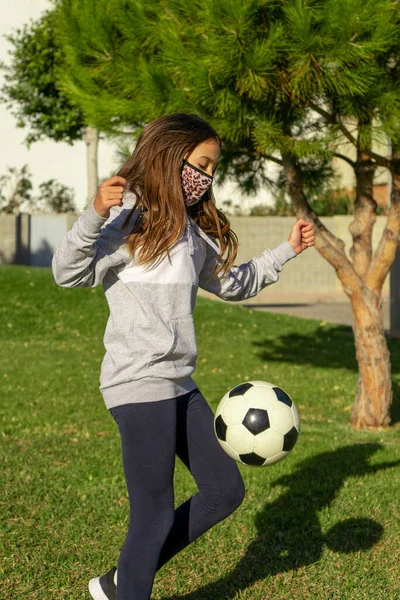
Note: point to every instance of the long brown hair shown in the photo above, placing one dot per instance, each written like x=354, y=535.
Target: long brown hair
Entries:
x=153, y=172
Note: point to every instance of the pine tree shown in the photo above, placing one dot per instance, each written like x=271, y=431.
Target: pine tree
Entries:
x=356, y=91
x=282, y=81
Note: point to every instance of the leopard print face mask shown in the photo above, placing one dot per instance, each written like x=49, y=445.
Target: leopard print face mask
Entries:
x=195, y=183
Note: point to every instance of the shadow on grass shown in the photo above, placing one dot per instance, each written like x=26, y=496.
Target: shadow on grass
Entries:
x=331, y=348
x=289, y=534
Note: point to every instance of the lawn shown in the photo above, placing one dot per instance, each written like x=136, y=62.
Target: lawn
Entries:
x=322, y=524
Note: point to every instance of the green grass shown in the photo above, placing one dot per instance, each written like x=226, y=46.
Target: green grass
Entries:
x=322, y=524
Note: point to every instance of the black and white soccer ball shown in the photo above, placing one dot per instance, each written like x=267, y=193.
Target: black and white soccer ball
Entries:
x=257, y=423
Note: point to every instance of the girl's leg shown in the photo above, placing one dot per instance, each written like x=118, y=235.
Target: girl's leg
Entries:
x=220, y=484
x=148, y=438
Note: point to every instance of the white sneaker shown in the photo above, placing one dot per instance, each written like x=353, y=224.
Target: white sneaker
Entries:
x=104, y=587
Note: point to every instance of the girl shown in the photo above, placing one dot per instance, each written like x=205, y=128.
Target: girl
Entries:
x=152, y=236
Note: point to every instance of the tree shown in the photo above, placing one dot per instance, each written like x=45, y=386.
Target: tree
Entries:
x=359, y=99
x=19, y=190
x=31, y=90
x=16, y=194
x=283, y=81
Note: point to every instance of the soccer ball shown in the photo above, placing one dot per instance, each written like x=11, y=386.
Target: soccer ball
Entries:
x=257, y=423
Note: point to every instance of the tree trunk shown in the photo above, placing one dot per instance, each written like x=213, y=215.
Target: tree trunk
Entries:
x=374, y=388
x=91, y=138
x=362, y=226
x=395, y=270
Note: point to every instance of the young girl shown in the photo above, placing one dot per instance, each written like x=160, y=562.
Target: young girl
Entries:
x=152, y=236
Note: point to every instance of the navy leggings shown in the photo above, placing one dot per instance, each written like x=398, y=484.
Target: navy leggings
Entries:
x=151, y=434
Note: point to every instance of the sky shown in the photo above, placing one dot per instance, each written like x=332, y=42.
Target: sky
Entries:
x=58, y=160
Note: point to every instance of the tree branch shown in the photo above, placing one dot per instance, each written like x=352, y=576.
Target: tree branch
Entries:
x=278, y=161
x=345, y=158
x=329, y=118
x=380, y=160
x=362, y=226
x=386, y=251
x=333, y=250
x=327, y=244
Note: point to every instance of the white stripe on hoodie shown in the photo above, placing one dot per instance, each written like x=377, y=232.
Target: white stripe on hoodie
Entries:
x=150, y=339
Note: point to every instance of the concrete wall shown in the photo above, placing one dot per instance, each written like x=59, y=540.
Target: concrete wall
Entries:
x=14, y=239
x=307, y=276
x=33, y=239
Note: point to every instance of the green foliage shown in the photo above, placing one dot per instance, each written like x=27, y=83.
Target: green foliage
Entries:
x=16, y=194
x=18, y=182
x=256, y=69
x=328, y=204
x=56, y=197
x=336, y=202
x=31, y=89
x=282, y=208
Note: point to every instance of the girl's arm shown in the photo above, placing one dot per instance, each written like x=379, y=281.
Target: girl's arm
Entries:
x=90, y=248
x=248, y=279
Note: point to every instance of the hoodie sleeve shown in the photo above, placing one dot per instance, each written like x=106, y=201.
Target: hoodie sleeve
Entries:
x=248, y=279
x=89, y=249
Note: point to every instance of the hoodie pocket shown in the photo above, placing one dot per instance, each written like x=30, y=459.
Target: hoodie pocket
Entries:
x=183, y=348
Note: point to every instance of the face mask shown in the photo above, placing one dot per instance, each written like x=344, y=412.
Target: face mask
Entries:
x=195, y=183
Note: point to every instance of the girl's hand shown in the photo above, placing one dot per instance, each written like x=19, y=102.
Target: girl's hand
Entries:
x=302, y=236
x=109, y=194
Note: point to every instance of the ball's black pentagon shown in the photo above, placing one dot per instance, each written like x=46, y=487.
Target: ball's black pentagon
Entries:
x=256, y=420
x=282, y=396
x=239, y=390
x=289, y=439
x=220, y=428
x=252, y=459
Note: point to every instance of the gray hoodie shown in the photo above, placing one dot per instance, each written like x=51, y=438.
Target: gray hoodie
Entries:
x=150, y=339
